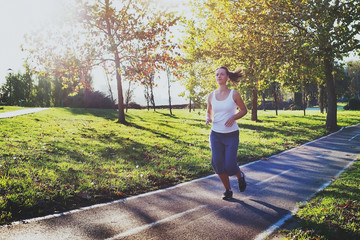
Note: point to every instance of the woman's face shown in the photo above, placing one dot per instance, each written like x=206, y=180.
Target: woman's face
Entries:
x=221, y=76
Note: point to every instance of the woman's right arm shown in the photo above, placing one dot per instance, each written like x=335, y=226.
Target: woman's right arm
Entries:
x=209, y=111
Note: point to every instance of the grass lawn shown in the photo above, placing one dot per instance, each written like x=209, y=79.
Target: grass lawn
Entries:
x=64, y=158
x=334, y=213
x=9, y=108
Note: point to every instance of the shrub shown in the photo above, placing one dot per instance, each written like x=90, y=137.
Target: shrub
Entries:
x=89, y=99
x=295, y=107
x=354, y=104
x=134, y=105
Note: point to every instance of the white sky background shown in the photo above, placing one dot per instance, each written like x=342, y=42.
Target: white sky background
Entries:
x=20, y=17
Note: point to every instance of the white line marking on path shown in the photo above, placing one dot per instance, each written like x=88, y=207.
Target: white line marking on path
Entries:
x=278, y=175
x=354, y=137
x=278, y=224
x=274, y=227
x=153, y=224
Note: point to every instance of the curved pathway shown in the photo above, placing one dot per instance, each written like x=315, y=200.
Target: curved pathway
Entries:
x=20, y=112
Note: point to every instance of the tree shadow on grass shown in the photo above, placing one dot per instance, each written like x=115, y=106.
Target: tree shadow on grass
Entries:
x=107, y=114
x=167, y=115
x=308, y=229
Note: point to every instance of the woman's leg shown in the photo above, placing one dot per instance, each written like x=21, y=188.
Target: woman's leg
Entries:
x=225, y=180
x=238, y=174
x=218, y=158
x=231, y=149
x=231, y=166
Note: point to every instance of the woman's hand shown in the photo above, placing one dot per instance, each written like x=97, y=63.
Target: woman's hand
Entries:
x=209, y=111
x=230, y=121
x=208, y=119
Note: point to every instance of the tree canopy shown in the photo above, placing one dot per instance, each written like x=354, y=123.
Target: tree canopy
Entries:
x=294, y=42
x=131, y=37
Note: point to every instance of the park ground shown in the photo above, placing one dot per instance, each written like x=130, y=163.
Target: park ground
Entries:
x=153, y=151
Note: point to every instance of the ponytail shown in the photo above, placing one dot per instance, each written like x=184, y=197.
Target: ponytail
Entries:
x=233, y=76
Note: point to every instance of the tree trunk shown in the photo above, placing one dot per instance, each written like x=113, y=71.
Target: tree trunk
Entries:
x=321, y=99
x=147, y=96
x=121, y=117
x=110, y=91
x=190, y=104
x=254, y=97
x=152, y=99
x=169, y=93
x=128, y=97
x=298, y=100
x=331, y=117
x=254, y=92
x=263, y=101
x=304, y=100
x=275, y=99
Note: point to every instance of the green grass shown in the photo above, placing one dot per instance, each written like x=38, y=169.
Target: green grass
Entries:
x=9, y=108
x=63, y=158
x=334, y=213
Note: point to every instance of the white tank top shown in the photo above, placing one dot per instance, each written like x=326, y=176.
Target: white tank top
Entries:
x=222, y=111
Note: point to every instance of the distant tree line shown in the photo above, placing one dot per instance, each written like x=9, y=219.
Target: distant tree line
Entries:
x=41, y=90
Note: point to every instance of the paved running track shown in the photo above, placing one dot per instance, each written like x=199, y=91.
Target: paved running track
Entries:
x=20, y=112
x=195, y=210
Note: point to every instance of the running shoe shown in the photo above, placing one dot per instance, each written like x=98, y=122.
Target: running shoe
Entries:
x=227, y=195
x=242, y=182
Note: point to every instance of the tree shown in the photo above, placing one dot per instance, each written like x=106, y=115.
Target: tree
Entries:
x=110, y=90
x=18, y=89
x=237, y=34
x=129, y=94
x=342, y=81
x=147, y=95
x=276, y=95
x=330, y=29
x=353, y=70
x=44, y=91
x=62, y=55
x=151, y=84
x=128, y=32
x=168, y=74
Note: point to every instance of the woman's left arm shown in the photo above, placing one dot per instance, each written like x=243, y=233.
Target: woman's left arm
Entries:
x=241, y=105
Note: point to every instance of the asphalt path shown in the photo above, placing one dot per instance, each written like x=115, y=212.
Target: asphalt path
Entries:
x=195, y=210
x=20, y=112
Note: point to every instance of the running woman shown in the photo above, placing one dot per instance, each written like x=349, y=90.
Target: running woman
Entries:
x=222, y=112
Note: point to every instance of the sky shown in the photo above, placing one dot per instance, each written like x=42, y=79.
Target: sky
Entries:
x=20, y=17
x=17, y=18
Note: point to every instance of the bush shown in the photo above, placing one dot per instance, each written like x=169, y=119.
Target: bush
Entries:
x=134, y=105
x=295, y=107
x=89, y=99
x=354, y=104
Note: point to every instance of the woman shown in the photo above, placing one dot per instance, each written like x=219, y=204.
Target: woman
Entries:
x=224, y=137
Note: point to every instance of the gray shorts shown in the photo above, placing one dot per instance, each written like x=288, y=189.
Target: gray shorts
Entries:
x=224, y=147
